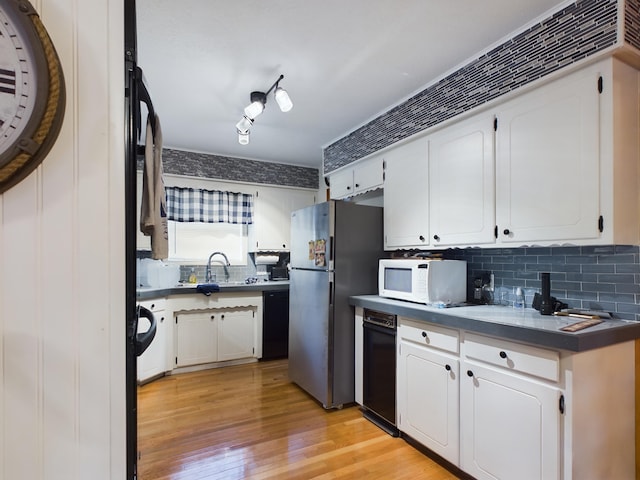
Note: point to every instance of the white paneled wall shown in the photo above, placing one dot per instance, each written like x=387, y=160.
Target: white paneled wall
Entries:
x=62, y=269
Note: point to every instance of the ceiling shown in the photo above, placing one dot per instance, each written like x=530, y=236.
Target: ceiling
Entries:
x=344, y=62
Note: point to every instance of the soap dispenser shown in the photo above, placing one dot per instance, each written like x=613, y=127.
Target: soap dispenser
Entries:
x=192, y=276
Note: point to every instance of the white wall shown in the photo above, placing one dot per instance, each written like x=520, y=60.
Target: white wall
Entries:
x=62, y=297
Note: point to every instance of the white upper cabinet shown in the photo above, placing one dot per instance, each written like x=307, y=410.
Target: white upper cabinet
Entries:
x=547, y=162
x=558, y=166
x=461, y=183
x=271, y=230
x=406, y=196
x=361, y=177
x=567, y=160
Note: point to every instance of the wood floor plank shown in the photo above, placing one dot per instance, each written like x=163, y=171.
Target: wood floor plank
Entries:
x=251, y=422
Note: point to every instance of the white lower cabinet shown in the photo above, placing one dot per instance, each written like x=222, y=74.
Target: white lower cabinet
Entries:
x=510, y=425
x=214, y=336
x=216, y=328
x=428, y=399
x=196, y=338
x=500, y=409
x=236, y=334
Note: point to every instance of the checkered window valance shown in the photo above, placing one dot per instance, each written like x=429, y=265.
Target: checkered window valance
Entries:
x=208, y=206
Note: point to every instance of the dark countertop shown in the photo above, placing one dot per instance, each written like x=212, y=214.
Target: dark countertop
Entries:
x=520, y=325
x=146, y=293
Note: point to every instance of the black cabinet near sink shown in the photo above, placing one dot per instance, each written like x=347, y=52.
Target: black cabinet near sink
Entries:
x=275, y=325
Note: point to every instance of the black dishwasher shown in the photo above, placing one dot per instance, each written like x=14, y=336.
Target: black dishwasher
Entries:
x=275, y=324
x=379, y=370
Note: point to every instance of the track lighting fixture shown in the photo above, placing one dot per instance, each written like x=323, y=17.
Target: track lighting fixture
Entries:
x=256, y=107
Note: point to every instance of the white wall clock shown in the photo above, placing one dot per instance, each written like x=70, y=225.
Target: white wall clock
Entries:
x=32, y=92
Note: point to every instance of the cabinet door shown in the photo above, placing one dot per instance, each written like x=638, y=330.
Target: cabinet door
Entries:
x=406, y=196
x=461, y=183
x=428, y=396
x=367, y=175
x=547, y=162
x=510, y=426
x=273, y=207
x=196, y=338
x=341, y=183
x=236, y=334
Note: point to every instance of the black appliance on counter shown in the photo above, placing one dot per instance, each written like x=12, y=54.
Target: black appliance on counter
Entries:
x=379, y=370
x=278, y=273
x=275, y=324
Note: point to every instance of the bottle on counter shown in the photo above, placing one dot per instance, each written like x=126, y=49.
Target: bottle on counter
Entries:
x=519, y=302
x=192, y=276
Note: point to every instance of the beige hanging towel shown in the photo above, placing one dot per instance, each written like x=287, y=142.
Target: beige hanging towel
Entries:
x=153, y=212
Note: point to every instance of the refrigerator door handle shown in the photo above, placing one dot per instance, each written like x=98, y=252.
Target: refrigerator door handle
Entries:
x=331, y=285
x=331, y=251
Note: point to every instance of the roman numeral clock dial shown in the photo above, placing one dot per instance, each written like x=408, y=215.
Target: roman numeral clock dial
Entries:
x=32, y=92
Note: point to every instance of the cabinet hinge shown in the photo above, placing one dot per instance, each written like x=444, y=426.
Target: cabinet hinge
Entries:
x=384, y=165
x=601, y=224
x=495, y=124
x=176, y=360
x=257, y=194
x=176, y=320
x=384, y=176
x=600, y=84
x=253, y=313
x=561, y=404
x=495, y=231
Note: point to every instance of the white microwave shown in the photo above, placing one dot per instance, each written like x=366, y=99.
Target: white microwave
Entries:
x=425, y=281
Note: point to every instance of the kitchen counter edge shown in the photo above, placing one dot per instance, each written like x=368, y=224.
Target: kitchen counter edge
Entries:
x=151, y=293
x=616, y=331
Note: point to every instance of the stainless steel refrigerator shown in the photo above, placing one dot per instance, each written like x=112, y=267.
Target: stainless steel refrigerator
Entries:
x=335, y=247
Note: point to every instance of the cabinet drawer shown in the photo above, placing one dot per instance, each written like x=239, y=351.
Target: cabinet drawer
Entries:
x=428, y=334
x=155, y=305
x=526, y=359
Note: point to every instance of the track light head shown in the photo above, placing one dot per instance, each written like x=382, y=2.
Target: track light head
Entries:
x=256, y=107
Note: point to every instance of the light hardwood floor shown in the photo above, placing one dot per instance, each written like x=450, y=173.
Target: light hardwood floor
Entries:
x=250, y=422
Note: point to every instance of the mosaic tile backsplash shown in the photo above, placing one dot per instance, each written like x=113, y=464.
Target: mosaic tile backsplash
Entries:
x=179, y=162
x=594, y=277
x=572, y=34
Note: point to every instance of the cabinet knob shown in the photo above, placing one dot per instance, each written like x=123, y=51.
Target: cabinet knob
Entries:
x=153, y=305
x=161, y=319
x=506, y=231
x=447, y=367
x=503, y=354
x=424, y=334
x=222, y=316
x=470, y=373
x=284, y=246
x=421, y=237
x=436, y=238
x=349, y=187
x=357, y=185
x=212, y=317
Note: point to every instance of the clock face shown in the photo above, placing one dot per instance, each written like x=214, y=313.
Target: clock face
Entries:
x=32, y=93
x=17, y=83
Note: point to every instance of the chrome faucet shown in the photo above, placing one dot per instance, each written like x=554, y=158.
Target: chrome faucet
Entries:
x=226, y=264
